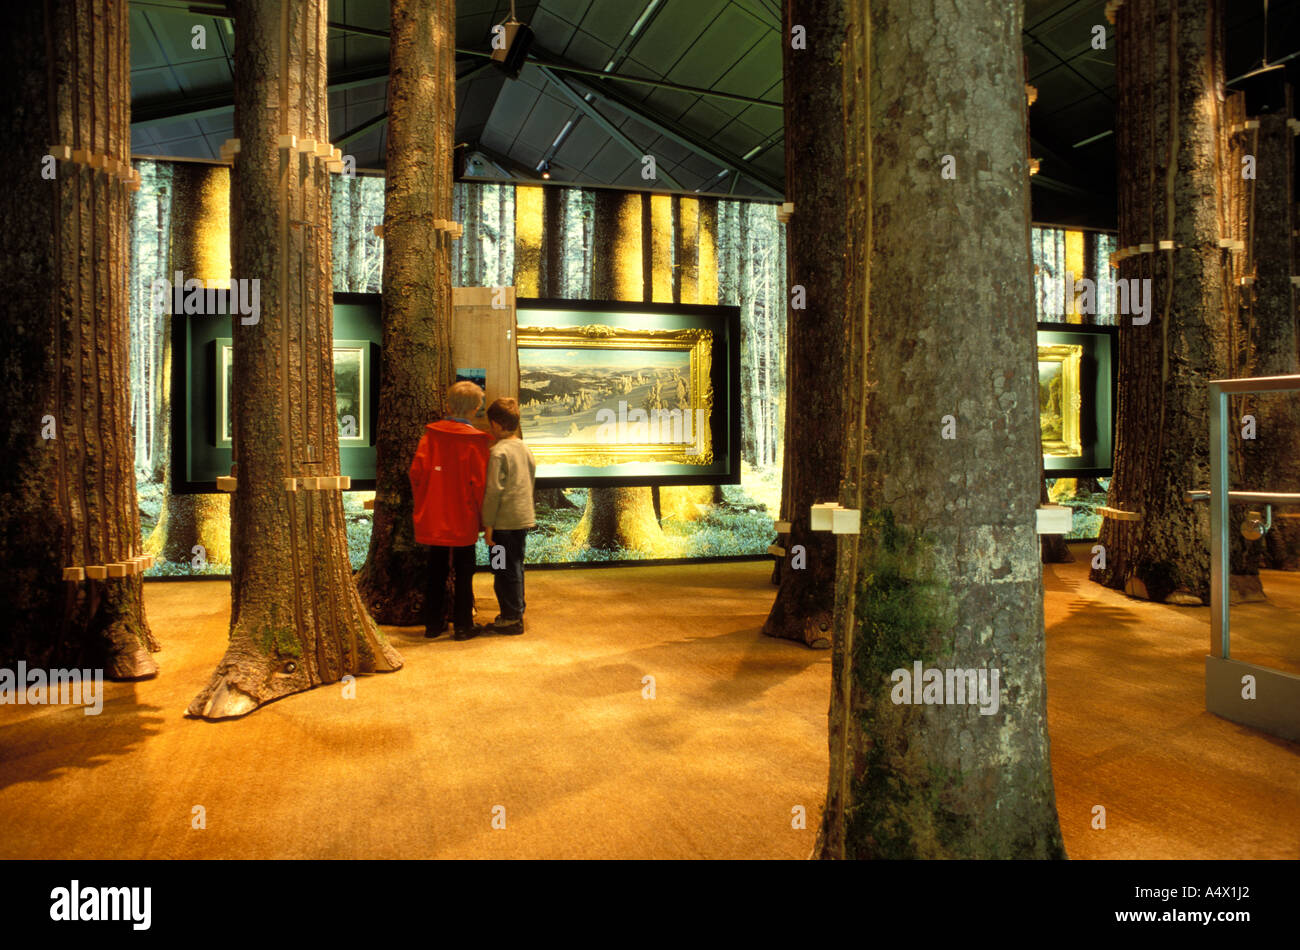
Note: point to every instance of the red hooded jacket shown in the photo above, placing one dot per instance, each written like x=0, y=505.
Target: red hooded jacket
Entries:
x=447, y=480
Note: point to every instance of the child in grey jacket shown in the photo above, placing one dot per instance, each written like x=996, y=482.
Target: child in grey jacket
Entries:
x=508, y=512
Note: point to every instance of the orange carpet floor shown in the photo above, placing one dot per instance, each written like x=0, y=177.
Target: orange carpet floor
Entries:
x=552, y=732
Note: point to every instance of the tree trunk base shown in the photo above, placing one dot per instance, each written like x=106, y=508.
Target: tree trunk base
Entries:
x=814, y=632
x=128, y=653
x=1055, y=550
x=1243, y=589
x=247, y=678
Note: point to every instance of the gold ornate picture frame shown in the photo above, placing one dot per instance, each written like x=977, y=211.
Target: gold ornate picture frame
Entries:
x=1060, y=399
x=616, y=409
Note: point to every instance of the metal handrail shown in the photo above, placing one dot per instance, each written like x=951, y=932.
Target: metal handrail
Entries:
x=1261, y=384
x=1263, y=497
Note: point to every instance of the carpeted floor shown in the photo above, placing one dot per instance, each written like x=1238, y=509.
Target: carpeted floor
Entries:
x=552, y=727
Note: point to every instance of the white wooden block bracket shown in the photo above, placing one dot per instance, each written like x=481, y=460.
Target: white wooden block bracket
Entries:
x=1054, y=519
x=829, y=516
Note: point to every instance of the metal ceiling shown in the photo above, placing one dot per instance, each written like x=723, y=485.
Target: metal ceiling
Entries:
x=695, y=83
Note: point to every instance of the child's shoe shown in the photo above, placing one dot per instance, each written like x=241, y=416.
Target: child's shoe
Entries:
x=511, y=628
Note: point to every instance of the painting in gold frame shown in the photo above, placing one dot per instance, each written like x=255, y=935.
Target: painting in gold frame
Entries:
x=600, y=395
x=1059, y=399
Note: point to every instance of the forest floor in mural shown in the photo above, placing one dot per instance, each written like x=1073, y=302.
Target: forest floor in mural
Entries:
x=739, y=526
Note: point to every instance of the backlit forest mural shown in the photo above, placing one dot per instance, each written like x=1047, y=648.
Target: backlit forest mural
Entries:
x=181, y=212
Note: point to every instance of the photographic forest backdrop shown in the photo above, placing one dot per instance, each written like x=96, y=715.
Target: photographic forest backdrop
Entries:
x=544, y=241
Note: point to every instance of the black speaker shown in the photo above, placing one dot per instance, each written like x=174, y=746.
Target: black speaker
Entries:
x=510, y=48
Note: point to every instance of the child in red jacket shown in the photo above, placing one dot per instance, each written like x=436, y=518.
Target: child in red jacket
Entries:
x=447, y=479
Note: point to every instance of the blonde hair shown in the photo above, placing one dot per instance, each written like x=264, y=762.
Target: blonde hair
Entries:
x=464, y=399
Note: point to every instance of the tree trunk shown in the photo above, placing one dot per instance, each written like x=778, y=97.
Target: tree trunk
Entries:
x=200, y=249
x=617, y=518
x=416, y=298
x=816, y=336
x=552, y=267
x=68, y=474
x=945, y=573
x=1272, y=459
x=1170, y=75
x=296, y=619
x=356, y=273
x=529, y=224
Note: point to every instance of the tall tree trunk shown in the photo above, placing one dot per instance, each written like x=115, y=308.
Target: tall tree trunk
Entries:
x=67, y=474
x=618, y=517
x=691, y=232
x=356, y=273
x=816, y=335
x=552, y=267
x=1272, y=459
x=471, y=243
x=296, y=618
x=416, y=298
x=529, y=227
x=200, y=249
x=945, y=573
x=1170, y=74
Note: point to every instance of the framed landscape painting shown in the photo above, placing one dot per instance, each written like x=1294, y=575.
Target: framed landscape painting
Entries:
x=628, y=394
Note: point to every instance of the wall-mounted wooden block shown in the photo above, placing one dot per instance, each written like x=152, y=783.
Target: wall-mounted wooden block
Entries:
x=310, y=483
x=846, y=521
x=307, y=146
x=287, y=141
x=227, y=483
x=782, y=527
x=776, y=549
x=823, y=515
x=96, y=572
x=74, y=573
x=1054, y=519
x=324, y=149
x=62, y=153
x=1247, y=281
x=345, y=482
x=1166, y=245
x=291, y=484
x=118, y=570
x=1146, y=248
x=80, y=156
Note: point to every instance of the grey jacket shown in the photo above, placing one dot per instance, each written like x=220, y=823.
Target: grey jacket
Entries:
x=508, y=498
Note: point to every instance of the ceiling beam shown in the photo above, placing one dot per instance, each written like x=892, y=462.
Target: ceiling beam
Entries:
x=683, y=137
x=613, y=131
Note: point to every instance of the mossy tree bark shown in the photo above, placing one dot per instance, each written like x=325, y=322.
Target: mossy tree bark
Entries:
x=416, y=297
x=816, y=335
x=1170, y=74
x=297, y=620
x=200, y=249
x=618, y=517
x=946, y=570
x=67, y=491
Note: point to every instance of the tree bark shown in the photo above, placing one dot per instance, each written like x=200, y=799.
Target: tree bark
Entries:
x=296, y=620
x=416, y=298
x=200, y=249
x=1170, y=75
x=552, y=264
x=945, y=572
x=67, y=472
x=816, y=336
x=618, y=517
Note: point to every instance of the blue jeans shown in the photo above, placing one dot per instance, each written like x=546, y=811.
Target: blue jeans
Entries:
x=508, y=578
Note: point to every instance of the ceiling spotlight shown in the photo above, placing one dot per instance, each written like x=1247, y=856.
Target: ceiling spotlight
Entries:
x=545, y=169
